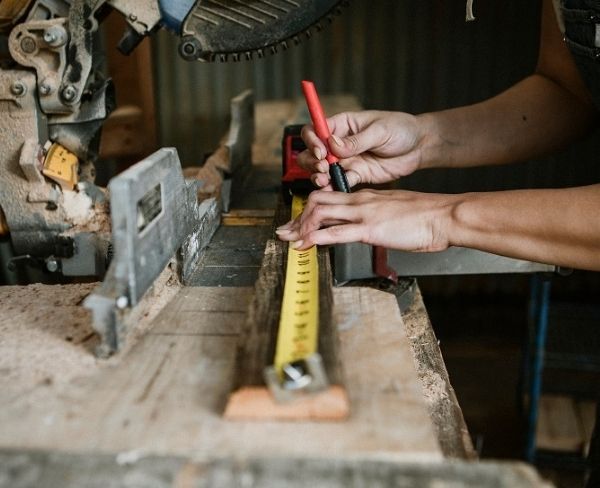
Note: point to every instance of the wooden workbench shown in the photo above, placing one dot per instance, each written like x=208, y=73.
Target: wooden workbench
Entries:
x=156, y=409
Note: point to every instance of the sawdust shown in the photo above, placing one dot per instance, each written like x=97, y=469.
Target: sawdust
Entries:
x=85, y=216
x=47, y=342
x=99, y=222
x=45, y=337
x=78, y=206
x=139, y=320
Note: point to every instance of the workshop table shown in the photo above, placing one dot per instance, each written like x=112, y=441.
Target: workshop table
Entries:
x=154, y=412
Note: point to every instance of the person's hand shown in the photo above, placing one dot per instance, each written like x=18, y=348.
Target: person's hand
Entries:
x=395, y=219
x=373, y=147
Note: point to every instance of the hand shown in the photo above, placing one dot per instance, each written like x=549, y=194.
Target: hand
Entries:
x=395, y=219
x=373, y=147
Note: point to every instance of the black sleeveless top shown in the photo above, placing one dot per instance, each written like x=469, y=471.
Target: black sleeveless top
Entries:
x=582, y=34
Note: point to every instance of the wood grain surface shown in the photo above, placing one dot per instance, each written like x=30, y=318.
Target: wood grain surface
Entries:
x=167, y=395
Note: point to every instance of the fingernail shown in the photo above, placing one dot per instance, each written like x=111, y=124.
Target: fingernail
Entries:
x=337, y=140
x=297, y=244
x=282, y=231
x=352, y=178
x=317, y=153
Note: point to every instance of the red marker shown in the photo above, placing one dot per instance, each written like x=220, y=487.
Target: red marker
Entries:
x=336, y=172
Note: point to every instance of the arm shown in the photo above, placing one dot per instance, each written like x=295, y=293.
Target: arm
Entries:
x=558, y=226
x=540, y=114
x=555, y=226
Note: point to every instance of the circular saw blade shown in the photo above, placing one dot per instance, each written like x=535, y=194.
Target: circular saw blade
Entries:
x=221, y=30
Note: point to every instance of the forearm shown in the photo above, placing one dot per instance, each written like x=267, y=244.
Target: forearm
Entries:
x=558, y=226
x=538, y=115
x=532, y=118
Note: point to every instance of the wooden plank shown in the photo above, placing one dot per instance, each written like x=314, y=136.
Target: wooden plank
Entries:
x=586, y=413
x=251, y=399
x=256, y=403
x=257, y=348
x=252, y=217
x=205, y=311
x=558, y=427
x=121, y=135
x=75, y=470
x=444, y=410
x=168, y=393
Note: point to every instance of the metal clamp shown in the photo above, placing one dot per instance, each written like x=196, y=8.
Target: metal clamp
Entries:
x=297, y=378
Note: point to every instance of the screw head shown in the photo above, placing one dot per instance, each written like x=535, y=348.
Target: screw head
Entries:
x=69, y=93
x=18, y=89
x=45, y=89
x=52, y=264
x=49, y=37
x=122, y=302
x=189, y=48
x=55, y=36
x=28, y=45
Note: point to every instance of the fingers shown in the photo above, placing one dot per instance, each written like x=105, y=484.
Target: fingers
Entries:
x=352, y=176
x=324, y=208
x=309, y=162
x=321, y=180
x=337, y=234
x=357, y=143
x=348, y=139
x=315, y=218
x=315, y=145
x=398, y=219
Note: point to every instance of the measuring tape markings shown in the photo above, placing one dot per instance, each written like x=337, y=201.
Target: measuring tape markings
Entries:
x=299, y=322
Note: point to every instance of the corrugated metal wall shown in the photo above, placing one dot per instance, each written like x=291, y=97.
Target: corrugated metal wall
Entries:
x=406, y=55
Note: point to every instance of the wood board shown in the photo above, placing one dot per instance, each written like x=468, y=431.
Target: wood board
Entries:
x=168, y=394
x=251, y=399
x=565, y=424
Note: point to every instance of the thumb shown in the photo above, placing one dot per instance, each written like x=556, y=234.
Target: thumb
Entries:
x=354, y=144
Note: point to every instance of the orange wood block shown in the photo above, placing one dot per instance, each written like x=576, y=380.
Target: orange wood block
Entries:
x=256, y=403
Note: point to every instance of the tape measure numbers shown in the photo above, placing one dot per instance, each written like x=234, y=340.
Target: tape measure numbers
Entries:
x=299, y=322
x=297, y=364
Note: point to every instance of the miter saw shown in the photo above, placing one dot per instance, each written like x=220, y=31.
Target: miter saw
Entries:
x=53, y=101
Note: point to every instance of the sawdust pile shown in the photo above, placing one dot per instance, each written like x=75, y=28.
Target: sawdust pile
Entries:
x=45, y=336
x=47, y=342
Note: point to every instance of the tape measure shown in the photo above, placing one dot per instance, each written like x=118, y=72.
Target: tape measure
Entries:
x=297, y=365
x=299, y=322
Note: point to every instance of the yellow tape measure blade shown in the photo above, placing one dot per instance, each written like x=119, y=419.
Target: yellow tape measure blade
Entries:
x=299, y=322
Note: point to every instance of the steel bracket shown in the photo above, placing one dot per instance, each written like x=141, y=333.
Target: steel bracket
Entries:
x=155, y=215
x=355, y=261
